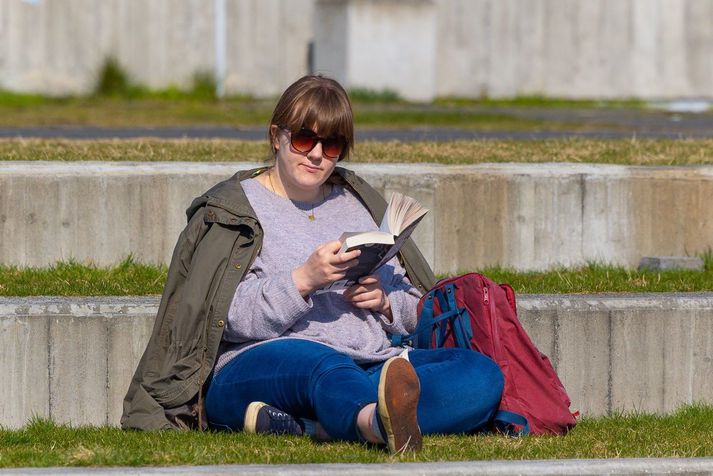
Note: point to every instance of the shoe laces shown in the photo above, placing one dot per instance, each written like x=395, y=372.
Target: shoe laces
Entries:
x=281, y=422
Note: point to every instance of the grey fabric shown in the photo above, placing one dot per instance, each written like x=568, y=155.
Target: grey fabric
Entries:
x=267, y=304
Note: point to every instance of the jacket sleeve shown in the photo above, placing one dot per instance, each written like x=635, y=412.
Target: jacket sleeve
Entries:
x=264, y=307
x=403, y=297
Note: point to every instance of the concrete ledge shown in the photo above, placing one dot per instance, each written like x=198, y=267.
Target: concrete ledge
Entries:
x=526, y=216
x=616, y=466
x=71, y=359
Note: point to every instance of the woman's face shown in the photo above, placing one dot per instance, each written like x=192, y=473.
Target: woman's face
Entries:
x=305, y=171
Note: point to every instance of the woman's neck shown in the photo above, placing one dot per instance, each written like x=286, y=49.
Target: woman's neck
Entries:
x=278, y=187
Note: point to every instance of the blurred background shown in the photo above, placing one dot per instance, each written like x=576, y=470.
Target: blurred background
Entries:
x=419, y=49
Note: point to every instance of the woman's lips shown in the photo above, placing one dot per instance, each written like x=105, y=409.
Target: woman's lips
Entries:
x=311, y=169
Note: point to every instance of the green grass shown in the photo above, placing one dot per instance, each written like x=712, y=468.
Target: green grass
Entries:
x=173, y=107
x=686, y=433
x=624, y=152
x=128, y=278
x=365, y=95
x=599, y=278
x=118, y=100
x=132, y=278
x=544, y=102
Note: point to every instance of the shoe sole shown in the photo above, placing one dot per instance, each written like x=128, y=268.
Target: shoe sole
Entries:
x=399, y=390
x=251, y=416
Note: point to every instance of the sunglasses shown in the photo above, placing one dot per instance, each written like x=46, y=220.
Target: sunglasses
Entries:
x=304, y=140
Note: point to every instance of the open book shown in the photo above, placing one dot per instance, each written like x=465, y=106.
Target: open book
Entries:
x=378, y=247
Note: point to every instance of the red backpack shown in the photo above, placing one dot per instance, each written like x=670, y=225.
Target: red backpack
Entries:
x=473, y=312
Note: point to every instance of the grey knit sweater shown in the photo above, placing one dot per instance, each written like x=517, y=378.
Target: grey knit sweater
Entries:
x=267, y=305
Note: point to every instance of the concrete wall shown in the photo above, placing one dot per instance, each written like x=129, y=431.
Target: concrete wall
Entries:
x=503, y=48
x=71, y=359
x=606, y=48
x=58, y=47
x=379, y=44
x=526, y=216
x=421, y=48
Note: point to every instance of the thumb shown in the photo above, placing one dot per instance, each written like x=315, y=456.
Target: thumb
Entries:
x=369, y=279
x=332, y=246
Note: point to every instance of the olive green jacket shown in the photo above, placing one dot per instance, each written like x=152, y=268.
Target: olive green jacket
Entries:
x=212, y=255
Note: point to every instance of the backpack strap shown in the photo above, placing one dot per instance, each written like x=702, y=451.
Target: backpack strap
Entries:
x=442, y=326
x=505, y=422
x=421, y=337
x=459, y=318
x=460, y=323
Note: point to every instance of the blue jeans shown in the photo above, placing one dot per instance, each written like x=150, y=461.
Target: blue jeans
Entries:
x=460, y=389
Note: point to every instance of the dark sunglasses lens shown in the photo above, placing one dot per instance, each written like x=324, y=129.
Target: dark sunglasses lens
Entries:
x=303, y=141
x=333, y=147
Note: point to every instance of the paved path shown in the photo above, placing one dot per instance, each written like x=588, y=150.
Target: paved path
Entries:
x=632, y=466
x=586, y=123
x=404, y=135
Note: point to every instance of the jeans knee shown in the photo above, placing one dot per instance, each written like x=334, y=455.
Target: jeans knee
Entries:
x=340, y=388
x=333, y=362
x=490, y=377
x=337, y=376
x=497, y=383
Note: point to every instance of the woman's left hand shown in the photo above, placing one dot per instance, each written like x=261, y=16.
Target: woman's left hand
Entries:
x=368, y=294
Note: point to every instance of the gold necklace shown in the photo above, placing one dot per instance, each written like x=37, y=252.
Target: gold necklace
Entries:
x=311, y=214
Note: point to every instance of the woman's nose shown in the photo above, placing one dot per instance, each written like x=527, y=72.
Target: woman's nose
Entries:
x=316, y=152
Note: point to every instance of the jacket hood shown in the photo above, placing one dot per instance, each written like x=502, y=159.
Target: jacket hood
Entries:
x=230, y=196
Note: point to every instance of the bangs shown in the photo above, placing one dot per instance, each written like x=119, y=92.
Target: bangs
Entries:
x=321, y=110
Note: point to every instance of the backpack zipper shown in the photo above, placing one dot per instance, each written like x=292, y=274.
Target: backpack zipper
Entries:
x=497, y=345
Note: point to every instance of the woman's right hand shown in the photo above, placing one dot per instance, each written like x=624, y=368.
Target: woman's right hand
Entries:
x=324, y=266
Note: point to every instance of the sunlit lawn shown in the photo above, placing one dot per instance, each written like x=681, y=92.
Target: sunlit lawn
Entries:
x=626, y=152
x=157, y=111
x=132, y=278
x=685, y=433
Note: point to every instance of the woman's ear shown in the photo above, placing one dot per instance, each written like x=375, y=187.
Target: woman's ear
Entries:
x=274, y=136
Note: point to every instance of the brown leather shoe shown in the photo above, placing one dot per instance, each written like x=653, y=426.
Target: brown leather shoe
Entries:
x=399, y=390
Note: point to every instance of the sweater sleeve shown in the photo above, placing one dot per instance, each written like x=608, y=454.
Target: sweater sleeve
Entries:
x=403, y=298
x=264, y=307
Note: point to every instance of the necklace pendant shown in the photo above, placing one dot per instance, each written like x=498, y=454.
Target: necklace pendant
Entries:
x=311, y=217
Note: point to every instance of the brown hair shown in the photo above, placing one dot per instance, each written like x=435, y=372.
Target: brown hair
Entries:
x=315, y=102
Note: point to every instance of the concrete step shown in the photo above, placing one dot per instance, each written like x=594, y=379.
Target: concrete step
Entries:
x=526, y=216
x=579, y=467
x=71, y=359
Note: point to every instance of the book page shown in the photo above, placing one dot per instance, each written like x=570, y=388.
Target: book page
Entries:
x=401, y=212
x=399, y=242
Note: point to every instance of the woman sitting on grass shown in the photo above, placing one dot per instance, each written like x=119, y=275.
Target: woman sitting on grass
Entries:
x=292, y=354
